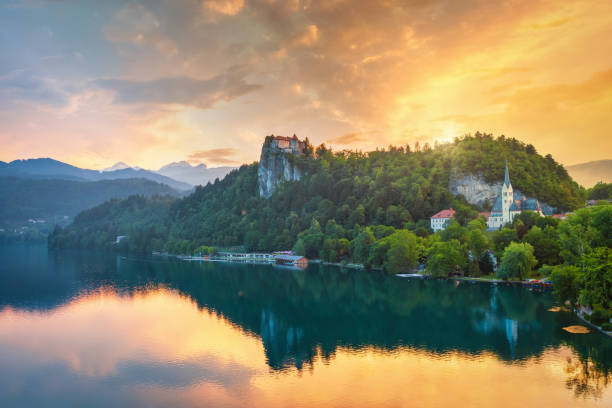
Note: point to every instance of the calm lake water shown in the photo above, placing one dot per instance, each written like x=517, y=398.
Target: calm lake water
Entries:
x=87, y=329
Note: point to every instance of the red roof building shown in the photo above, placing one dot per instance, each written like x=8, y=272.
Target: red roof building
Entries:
x=441, y=219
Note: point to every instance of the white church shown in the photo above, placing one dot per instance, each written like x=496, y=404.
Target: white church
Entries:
x=509, y=203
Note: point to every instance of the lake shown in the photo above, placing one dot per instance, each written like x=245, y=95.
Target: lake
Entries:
x=100, y=330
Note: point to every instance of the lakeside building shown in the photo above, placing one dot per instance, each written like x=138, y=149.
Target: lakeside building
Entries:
x=245, y=257
x=292, y=260
x=440, y=220
x=509, y=204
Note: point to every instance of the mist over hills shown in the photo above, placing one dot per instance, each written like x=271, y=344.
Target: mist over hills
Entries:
x=194, y=175
x=590, y=173
x=50, y=168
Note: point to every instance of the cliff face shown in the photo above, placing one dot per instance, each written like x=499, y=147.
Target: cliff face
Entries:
x=476, y=190
x=275, y=166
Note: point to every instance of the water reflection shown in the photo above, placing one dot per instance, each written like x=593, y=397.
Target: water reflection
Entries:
x=77, y=328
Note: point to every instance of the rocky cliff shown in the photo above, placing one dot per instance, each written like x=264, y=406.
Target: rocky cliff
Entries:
x=275, y=166
x=477, y=191
x=474, y=188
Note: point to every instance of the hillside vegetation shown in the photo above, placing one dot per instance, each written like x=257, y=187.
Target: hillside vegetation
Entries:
x=22, y=198
x=341, y=192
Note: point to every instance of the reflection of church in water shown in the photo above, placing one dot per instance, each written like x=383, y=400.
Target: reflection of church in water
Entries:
x=494, y=322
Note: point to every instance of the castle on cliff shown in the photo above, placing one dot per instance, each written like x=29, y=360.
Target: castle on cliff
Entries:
x=510, y=203
x=275, y=165
x=286, y=144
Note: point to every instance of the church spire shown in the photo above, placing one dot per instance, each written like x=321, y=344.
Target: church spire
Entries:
x=507, y=176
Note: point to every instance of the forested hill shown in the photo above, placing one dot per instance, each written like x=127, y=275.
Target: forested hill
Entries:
x=340, y=191
x=47, y=199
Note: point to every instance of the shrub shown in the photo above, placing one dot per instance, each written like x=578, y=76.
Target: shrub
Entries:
x=606, y=326
x=600, y=315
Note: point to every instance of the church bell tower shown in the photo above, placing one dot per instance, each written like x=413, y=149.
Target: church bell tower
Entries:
x=507, y=197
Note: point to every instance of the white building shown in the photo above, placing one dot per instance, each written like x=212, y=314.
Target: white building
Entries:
x=440, y=220
x=510, y=203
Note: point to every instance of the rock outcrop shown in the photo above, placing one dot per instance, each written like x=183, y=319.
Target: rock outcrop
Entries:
x=477, y=191
x=276, y=164
x=474, y=188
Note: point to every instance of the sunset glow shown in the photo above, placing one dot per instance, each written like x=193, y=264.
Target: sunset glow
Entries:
x=213, y=361
x=91, y=83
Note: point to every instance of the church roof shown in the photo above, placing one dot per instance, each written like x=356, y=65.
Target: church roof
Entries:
x=515, y=206
x=507, y=176
x=531, y=204
x=497, y=207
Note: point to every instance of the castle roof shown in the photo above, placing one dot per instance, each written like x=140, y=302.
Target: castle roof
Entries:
x=444, y=214
x=286, y=138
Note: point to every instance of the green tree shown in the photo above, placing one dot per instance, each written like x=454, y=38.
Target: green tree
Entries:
x=312, y=240
x=600, y=191
x=517, y=262
x=444, y=258
x=567, y=281
x=598, y=278
x=502, y=238
x=478, y=244
x=575, y=240
x=362, y=245
x=402, y=253
x=545, y=245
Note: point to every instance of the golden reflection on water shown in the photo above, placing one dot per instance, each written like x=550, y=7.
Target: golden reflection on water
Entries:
x=214, y=362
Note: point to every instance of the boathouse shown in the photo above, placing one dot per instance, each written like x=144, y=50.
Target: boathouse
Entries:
x=291, y=260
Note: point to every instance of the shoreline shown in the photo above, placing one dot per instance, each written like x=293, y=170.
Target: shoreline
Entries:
x=355, y=266
x=598, y=328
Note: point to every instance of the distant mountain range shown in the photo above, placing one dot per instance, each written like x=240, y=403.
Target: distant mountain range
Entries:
x=49, y=168
x=590, y=173
x=36, y=194
x=194, y=175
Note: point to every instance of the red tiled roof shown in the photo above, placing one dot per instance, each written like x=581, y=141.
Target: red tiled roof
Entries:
x=484, y=214
x=286, y=138
x=559, y=216
x=444, y=214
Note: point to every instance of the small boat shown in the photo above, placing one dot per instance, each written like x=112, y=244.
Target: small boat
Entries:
x=409, y=275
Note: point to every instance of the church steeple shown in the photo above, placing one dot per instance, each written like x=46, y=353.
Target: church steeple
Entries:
x=507, y=176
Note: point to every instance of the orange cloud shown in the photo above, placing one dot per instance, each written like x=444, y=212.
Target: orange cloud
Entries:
x=217, y=156
x=527, y=68
x=227, y=7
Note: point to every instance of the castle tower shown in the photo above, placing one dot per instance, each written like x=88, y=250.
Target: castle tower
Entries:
x=507, y=197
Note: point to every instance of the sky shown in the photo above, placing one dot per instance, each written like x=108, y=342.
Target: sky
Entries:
x=93, y=82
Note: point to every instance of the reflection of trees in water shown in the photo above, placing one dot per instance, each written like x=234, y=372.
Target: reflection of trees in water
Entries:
x=585, y=377
x=300, y=315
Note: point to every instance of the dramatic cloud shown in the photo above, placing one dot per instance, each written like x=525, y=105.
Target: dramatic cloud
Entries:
x=216, y=156
x=185, y=91
x=228, y=7
x=22, y=85
x=172, y=75
x=351, y=138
